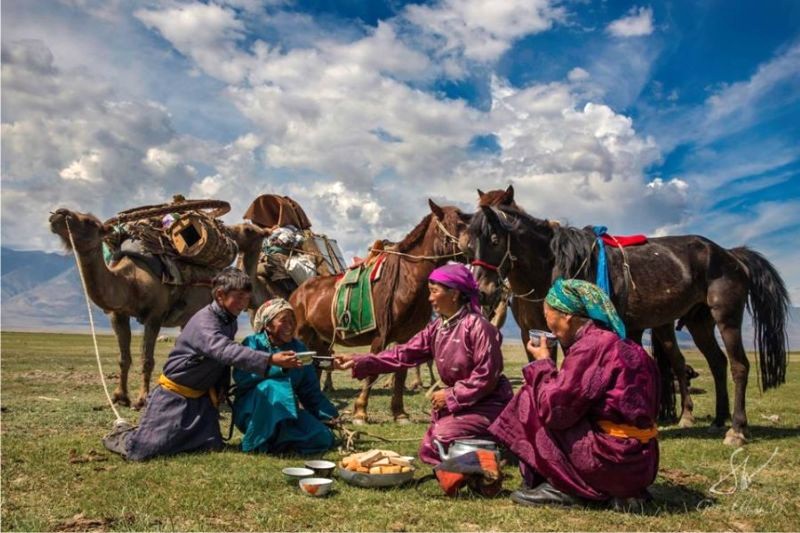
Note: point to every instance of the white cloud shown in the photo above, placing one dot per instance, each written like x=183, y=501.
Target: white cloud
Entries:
x=637, y=23
x=578, y=74
x=205, y=32
x=483, y=29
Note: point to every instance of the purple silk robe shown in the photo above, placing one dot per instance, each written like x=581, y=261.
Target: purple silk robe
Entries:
x=551, y=424
x=467, y=353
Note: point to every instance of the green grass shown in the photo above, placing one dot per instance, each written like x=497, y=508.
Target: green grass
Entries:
x=54, y=408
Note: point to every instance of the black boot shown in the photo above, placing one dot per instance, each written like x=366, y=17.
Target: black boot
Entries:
x=543, y=494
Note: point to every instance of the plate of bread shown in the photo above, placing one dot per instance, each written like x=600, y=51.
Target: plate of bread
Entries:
x=376, y=468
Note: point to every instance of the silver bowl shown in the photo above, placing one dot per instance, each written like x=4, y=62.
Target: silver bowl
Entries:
x=359, y=479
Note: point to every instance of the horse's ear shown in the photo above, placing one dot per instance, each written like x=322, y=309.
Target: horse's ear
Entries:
x=509, y=195
x=481, y=194
x=436, y=210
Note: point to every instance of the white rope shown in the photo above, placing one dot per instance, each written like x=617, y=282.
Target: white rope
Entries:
x=91, y=322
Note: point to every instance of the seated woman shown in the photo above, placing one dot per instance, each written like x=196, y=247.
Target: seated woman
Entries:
x=284, y=410
x=587, y=431
x=466, y=349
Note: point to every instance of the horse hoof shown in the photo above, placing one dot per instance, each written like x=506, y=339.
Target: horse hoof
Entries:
x=402, y=420
x=734, y=438
x=359, y=421
x=686, y=422
x=139, y=404
x=415, y=386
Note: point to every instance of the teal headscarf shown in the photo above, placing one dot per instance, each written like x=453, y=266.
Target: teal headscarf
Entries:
x=582, y=298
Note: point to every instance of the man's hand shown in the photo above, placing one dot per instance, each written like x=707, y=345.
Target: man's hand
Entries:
x=438, y=400
x=343, y=362
x=286, y=360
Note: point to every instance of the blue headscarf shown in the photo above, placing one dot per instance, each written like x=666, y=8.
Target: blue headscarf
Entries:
x=578, y=297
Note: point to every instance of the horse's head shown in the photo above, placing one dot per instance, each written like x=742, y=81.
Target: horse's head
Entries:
x=451, y=227
x=489, y=249
x=497, y=197
x=87, y=230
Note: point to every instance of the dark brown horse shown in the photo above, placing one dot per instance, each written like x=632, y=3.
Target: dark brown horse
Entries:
x=400, y=296
x=528, y=311
x=686, y=277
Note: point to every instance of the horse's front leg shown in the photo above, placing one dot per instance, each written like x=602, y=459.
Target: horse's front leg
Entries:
x=398, y=410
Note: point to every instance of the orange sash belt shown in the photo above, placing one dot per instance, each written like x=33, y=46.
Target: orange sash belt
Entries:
x=188, y=392
x=624, y=431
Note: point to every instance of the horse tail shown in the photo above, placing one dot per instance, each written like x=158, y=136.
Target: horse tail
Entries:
x=768, y=303
x=666, y=409
x=385, y=315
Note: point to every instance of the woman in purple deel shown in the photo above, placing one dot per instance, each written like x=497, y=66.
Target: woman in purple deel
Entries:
x=466, y=349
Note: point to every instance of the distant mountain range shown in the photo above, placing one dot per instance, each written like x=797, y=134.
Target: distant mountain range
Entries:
x=42, y=292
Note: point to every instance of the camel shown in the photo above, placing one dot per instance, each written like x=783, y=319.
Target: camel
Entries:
x=129, y=289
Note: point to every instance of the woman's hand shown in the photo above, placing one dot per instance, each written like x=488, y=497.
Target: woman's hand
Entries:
x=343, y=362
x=286, y=360
x=438, y=400
x=540, y=351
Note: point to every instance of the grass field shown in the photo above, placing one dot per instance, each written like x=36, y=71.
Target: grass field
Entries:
x=57, y=476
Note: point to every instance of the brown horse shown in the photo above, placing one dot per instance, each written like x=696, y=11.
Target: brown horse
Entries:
x=528, y=311
x=400, y=296
x=687, y=277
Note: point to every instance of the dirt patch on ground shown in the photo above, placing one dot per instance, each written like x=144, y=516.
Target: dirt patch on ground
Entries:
x=81, y=522
x=677, y=476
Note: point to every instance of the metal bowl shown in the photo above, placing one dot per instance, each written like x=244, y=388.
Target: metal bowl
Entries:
x=321, y=468
x=360, y=479
x=292, y=474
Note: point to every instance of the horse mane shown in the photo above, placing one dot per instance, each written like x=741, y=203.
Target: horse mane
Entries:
x=415, y=235
x=571, y=247
x=384, y=316
x=508, y=216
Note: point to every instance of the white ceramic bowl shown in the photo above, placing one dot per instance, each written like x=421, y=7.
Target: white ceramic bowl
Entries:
x=316, y=486
x=294, y=473
x=321, y=468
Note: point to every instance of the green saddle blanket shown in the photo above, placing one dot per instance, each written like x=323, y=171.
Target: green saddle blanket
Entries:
x=354, y=310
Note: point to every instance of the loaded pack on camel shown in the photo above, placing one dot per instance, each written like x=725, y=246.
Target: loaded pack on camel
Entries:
x=291, y=253
x=183, y=242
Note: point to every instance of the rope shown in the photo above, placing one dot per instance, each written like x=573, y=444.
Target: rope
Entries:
x=418, y=257
x=91, y=322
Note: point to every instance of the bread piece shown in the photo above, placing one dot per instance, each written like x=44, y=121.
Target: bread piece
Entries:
x=391, y=469
x=389, y=453
x=386, y=461
x=363, y=469
x=369, y=458
x=405, y=469
x=376, y=470
x=399, y=461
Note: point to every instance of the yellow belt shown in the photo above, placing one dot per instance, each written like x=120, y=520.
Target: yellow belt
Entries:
x=624, y=431
x=188, y=392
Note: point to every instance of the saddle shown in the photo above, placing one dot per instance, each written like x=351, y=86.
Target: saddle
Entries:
x=354, y=309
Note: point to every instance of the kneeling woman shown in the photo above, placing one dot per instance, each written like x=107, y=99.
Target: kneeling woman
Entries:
x=284, y=410
x=466, y=349
x=588, y=430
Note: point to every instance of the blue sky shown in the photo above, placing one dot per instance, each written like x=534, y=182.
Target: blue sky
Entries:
x=652, y=117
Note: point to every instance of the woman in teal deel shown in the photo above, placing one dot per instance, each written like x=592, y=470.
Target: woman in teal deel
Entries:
x=282, y=411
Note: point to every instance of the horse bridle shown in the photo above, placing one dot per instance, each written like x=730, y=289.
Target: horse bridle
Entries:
x=497, y=269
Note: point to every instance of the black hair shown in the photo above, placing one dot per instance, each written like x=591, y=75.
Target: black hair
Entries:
x=231, y=279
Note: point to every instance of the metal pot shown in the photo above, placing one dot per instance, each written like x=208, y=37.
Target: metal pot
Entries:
x=462, y=446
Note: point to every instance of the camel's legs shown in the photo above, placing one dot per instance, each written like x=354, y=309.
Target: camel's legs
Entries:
x=151, y=329
x=122, y=330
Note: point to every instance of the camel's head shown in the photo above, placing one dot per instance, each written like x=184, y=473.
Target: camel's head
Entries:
x=87, y=231
x=248, y=237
